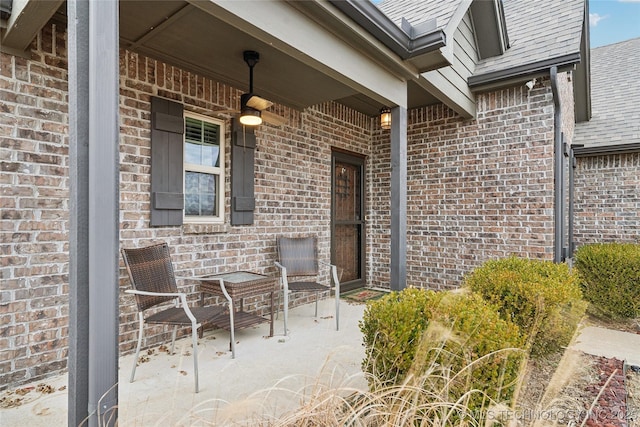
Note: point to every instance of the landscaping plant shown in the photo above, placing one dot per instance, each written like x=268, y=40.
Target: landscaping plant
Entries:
x=610, y=275
x=451, y=345
x=541, y=297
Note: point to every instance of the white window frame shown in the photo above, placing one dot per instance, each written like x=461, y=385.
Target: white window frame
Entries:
x=219, y=171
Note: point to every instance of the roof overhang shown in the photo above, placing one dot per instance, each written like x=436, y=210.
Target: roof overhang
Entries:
x=578, y=62
x=582, y=75
x=419, y=46
x=605, y=150
x=522, y=73
x=490, y=28
x=25, y=19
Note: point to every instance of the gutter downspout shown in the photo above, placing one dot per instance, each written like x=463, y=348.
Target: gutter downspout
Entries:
x=573, y=163
x=572, y=168
x=558, y=175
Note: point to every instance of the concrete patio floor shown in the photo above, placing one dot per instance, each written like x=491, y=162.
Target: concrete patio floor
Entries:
x=269, y=376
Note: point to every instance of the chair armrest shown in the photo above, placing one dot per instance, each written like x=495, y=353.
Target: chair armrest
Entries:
x=334, y=274
x=181, y=296
x=157, y=294
x=282, y=268
x=283, y=275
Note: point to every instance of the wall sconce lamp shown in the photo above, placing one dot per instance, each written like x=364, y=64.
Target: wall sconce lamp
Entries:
x=385, y=118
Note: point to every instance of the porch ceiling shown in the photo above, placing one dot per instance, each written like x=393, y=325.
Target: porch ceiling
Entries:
x=184, y=35
x=317, y=55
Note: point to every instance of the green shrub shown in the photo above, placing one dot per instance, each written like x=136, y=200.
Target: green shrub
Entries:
x=611, y=278
x=453, y=341
x=541, y=297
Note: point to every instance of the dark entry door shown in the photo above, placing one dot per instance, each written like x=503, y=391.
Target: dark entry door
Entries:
x=347, y=219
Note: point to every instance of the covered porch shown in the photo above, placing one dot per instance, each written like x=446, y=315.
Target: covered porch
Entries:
x=328, y=67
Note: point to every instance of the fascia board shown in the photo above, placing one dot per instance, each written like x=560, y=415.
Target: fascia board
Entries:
x=335, y=21
x=603, y=150
x=377, y=23
x=522, y=72
x=453, y=24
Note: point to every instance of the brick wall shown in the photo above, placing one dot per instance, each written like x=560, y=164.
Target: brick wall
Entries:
x=292, y=180
x=607, y=199
x=34, y=202
x=477, y=189
x=293, y=169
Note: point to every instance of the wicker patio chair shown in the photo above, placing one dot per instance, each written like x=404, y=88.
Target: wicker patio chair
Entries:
x=298, y=259
x=153, y=281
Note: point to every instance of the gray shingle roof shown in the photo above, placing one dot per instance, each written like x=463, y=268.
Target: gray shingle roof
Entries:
x=538, y=30
x=418, y=11
x=615, y=90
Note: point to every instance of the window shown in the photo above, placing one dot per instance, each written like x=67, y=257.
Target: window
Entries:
x=203, y=169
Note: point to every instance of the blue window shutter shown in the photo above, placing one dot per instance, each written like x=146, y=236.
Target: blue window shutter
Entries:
x=167, y=128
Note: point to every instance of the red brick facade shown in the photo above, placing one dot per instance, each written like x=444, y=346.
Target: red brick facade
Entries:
x=607, y=199
x=477, y=189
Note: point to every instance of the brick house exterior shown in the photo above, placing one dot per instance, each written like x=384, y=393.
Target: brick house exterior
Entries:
x=607, y=183
x=607, y=199
x=477, y=188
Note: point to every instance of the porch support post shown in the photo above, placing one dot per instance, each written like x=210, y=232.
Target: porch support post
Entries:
x=78, y=362
x=94, y=201
x=103, y=203
x=398, y=198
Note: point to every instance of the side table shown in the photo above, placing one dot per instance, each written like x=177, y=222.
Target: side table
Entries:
x=235, y=286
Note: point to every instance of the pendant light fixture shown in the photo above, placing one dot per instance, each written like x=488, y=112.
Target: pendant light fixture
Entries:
x=249, y=116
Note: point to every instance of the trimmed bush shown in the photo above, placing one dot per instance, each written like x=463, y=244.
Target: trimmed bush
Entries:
x=543, y=298
x=610, y=275
x=450, y=341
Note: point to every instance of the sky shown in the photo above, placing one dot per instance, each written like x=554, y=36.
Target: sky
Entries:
x=613, y=21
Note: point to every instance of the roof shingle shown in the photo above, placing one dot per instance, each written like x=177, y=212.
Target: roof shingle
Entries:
x=538, y=30
x=615, y=90
x=419, y=11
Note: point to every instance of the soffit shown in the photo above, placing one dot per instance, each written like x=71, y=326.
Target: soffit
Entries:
x=181, y=34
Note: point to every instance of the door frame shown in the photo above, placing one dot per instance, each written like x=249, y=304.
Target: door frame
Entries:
x=342, y=156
